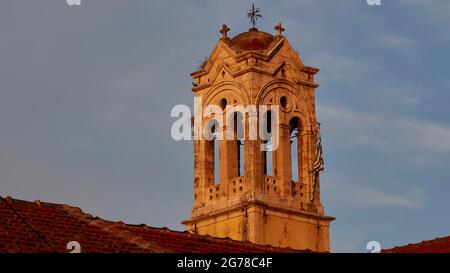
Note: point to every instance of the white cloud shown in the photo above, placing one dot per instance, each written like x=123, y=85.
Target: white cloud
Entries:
x=432, y=137
x=437, y=7
x=357, y=194
x=436, y=13
x=422, y=142
x=373, y=197
x=395, y=41
x=338, y=68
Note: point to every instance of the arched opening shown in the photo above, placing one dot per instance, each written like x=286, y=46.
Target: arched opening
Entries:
x=283, y=101
x=212, y=152
x=216, y=161
x=235, y=143
x=267, y=140
x=239, y=136
x=223, y=103
x=295, y=151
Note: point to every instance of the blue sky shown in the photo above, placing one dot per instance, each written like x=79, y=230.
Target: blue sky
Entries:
x=86, y=94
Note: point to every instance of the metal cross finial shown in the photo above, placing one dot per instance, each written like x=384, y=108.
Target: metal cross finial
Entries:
x=254, y=14
x=224, y=31
x=279, y=27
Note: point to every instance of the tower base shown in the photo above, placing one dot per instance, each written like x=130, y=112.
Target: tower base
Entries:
x=262, y=224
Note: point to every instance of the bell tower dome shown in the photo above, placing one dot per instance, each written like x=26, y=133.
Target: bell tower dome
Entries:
x=265, y=196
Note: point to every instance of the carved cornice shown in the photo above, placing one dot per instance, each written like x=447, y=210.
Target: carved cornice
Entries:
x=263, y=205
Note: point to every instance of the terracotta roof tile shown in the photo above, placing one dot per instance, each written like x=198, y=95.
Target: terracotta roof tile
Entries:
x=438, y=245
x=252, y=40
x=46, y=227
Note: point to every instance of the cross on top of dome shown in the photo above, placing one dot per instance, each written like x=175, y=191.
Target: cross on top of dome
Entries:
x=279, y=27
x=224, y=31
x=254, y=14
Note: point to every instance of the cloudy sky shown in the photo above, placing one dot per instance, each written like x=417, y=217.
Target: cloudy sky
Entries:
x=86, y=94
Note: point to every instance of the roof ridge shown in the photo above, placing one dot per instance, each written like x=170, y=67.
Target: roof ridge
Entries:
x=446, y=238
x=418, y=245
x=113, y=228
x=210, y=238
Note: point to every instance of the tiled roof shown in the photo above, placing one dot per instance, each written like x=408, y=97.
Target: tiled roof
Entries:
x=252, y=40
x=46, y=227
x=438, y=245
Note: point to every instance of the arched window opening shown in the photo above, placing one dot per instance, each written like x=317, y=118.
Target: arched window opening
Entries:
x=295, y=151
x=216, y=161
x=240, y=149
x=239, y=136
x=212, y=152
x=238, y=125
x=267, y=140
x=283, y=101
x=223, y=103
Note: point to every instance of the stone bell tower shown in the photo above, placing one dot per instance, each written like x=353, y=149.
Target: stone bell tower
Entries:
x=240, y=190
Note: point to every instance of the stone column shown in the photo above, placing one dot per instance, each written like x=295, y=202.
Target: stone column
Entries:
x=198, y=182
x=228, y=156
x=254, y=165
x=204, y=167
x=284, y=160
